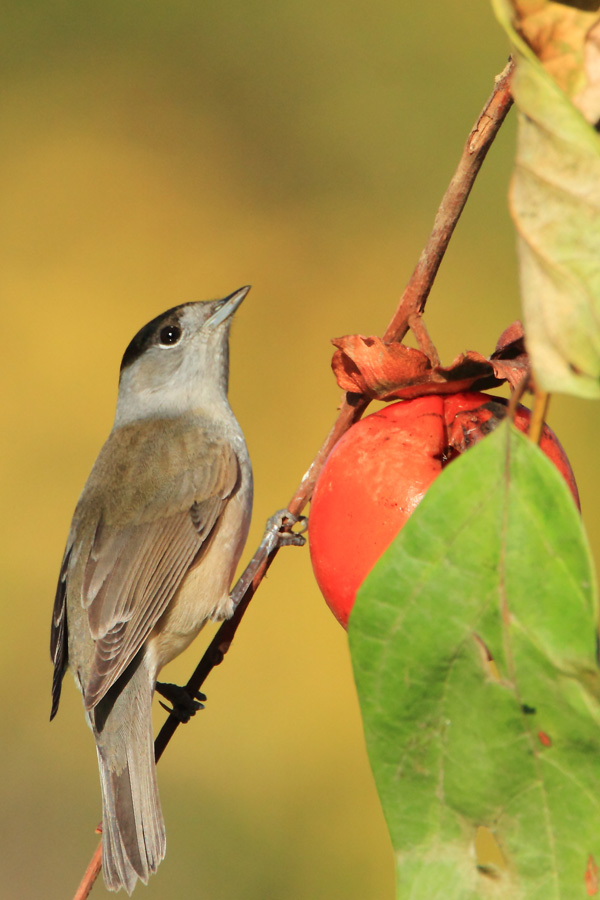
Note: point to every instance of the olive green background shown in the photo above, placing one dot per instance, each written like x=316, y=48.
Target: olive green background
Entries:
x=154, y=153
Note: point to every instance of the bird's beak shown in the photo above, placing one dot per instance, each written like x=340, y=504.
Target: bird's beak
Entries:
x=226, y=308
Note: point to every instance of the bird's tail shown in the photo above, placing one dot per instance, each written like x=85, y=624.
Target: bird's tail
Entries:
x=133, y=831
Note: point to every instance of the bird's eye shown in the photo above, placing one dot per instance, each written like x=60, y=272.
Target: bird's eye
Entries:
x=169, y=335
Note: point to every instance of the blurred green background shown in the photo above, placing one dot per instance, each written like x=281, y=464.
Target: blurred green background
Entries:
x=156, y=153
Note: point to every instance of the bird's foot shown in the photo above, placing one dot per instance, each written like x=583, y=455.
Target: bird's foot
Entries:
x=276, y=537
x=183, y=705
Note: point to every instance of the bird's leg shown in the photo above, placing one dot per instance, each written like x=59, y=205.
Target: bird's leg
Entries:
x=273, y=538
x=184, y=706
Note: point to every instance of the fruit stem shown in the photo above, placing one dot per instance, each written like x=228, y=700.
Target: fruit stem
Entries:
x=538, y=414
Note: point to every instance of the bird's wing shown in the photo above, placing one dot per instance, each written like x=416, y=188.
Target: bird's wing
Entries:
x=142, y=547
x=58, y=636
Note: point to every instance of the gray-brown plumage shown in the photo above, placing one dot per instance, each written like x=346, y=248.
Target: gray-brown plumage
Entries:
x=152, y=550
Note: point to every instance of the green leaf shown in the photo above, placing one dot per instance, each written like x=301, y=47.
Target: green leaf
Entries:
x=555, y=205
x=495, y=550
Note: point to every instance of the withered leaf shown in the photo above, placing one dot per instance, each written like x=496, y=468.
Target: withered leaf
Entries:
x=384, y=370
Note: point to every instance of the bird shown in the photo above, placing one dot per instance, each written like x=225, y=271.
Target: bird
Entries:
x=152, y=550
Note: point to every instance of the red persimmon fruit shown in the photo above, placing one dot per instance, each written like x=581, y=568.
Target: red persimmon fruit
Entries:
x=380, y=470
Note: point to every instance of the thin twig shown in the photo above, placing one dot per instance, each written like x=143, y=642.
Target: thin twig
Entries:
x=475, y=150
x=425, y=344
x=411, y=303
x=417, y=290
x=91, y=873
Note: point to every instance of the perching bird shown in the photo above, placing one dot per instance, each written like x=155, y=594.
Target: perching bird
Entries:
x=150, y=557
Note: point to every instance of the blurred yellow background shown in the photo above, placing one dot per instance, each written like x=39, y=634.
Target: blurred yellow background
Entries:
x=157, y=153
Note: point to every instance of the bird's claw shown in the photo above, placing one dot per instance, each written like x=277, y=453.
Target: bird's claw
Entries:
x=183, y=705
x=276, y=537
